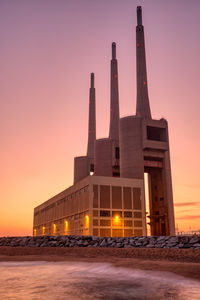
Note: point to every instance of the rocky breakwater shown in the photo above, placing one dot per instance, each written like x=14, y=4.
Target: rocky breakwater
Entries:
x=180, y=242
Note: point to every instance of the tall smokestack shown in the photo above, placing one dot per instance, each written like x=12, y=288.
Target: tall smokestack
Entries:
x=114, y=98
x=142, y=107
x=92, y=120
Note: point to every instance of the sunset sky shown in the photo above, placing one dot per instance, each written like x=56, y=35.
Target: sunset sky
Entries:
x=48, y=50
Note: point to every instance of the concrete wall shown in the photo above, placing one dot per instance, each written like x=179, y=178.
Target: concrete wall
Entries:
x=103, y=157
x=131, y=155
x=144, y=147
x=81, y=168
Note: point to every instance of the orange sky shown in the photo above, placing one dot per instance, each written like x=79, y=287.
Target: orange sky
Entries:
x=49, y=48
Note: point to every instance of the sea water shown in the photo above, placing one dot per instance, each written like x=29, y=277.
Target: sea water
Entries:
x=82, y=280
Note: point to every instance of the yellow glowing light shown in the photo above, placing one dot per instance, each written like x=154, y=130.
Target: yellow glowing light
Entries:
x=43, y=229
x=34, y=232
x=54, y=228
x=117, y=221
x=116, y=218
x=87, y=221
x=66, y=225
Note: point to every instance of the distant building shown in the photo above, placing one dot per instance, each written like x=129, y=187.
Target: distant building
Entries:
x=107, y=198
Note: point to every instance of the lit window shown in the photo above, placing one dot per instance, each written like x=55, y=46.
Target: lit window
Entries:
x=34, y=232
x=117, y=221
x=116, y=218
x=43, y=229
x=66, y=226
x=91, y=169
x=86, y=221
x=54, y=228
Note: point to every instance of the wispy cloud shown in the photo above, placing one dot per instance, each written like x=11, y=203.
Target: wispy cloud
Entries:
x=182, y=204
x=188, y=217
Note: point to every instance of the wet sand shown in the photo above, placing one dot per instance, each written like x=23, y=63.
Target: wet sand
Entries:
x=185, y=262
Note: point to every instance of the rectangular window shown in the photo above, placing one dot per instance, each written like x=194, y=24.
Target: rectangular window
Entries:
x=104, y=196
x=117, y=213
x=136, y=198
x=104, y=213
x=95, y=198
x=128, y=232
x=105, y=232
x=156, y=134
x=137, y=223
x=104, y=222
x=128, y=223
x=117, y=233
x=95, y=213
x=116, y=197
x=95, y=222
x=137, y=214
x=117, y=152
x=95, y=232
x=127, y=198
x=127, y=214
x=138, y=232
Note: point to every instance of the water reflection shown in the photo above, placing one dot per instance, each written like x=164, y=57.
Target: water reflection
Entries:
x=75, y=280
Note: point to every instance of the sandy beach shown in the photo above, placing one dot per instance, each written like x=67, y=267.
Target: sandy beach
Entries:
x=185, y=262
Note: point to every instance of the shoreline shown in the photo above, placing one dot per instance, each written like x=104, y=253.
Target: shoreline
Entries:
x=184, y=262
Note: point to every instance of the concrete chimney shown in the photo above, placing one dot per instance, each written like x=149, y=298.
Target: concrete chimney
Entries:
x=92, y=120
x=142, y=107
x=114, y=99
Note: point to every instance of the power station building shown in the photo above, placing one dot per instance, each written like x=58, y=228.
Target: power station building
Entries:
x=108, y=198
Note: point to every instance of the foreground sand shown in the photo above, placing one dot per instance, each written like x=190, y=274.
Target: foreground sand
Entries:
x=185, y=262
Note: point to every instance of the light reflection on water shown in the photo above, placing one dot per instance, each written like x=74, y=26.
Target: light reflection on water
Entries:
x=81, y=280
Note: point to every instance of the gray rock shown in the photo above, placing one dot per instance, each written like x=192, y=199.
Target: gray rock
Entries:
x=171, y=244
x=119, y=245
x=138, y=244
x=86, y=243
x=186, y=246
x=103, y=244
x=173, y=240
x=161, y=238
x=150, y=246
x=194, y=240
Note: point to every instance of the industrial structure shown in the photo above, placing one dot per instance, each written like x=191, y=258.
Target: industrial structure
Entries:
x=107, y=198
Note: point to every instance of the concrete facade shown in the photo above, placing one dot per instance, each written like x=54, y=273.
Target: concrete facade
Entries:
x=96, y=205
x=107, y=198
x=144, y=147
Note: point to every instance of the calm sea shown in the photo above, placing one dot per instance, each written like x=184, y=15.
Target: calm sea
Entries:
x=78, y=280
